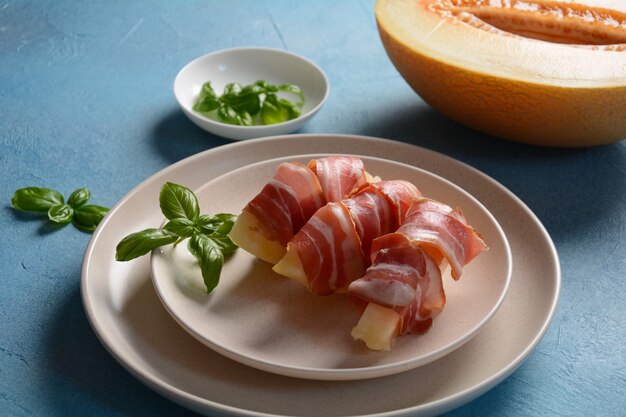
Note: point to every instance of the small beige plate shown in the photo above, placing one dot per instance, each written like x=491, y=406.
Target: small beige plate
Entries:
x=266, y=321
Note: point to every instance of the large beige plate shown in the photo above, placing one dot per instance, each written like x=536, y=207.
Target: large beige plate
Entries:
x=131, y=322
x=261, y=319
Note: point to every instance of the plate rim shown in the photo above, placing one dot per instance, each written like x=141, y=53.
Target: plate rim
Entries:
x=344, y=374
x=202, y=405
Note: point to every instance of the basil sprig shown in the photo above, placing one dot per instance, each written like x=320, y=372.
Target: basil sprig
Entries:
x=76, y=210
x=257, y=103
x=208, y=235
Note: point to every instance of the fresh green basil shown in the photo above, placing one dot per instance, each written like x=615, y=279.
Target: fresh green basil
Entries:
x=208, y=234
x=278, y=110
x=219, y=224
x=181, y=227
x=61, y=214
x=231, y=116
x=293, y=89
x=208, y=100
x=88, y=217
x=178, y=202
x=139, y=243
x=224, y=244
x=256, y=103
x=36, y=199
x=210, y=258
x=79, y=197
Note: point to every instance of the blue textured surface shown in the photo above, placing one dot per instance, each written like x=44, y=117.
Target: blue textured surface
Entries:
x=86, y=100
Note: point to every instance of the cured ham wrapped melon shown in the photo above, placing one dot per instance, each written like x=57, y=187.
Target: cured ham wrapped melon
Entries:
x=339, y=176
x=402, y=291
x=295, y=192
x=440, y=231
x=332, y=248
x=332, y=227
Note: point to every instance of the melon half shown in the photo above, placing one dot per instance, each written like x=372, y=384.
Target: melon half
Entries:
x=548, y=73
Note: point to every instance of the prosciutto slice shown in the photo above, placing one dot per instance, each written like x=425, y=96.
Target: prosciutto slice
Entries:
x=405, y=275
x=406, y=280
x=440, y=231
x=329, y=249
x=334, y=246
x=379, y=208
x=401, y=194
x=287, y=201
x=297, y=191
x=338, y=175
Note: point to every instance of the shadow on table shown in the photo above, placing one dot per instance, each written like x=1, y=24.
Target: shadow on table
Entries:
x=46, y=227
x=570, y=190
x=82, y=377
x=176, y=137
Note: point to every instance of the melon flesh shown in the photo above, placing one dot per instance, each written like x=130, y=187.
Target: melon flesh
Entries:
x=291, y=267
x=246, y=233
x=377, y=327
x=540, y=72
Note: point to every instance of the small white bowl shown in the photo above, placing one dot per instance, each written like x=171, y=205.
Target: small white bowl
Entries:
x=245, y=66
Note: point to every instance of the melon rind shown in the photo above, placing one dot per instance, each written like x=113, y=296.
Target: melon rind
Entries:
x=520, y=89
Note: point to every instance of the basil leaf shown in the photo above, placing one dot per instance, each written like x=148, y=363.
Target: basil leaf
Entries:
x=267, y=87
x=238, y=104
x=249, y=102
x=255, y=89
x=231, y=89
x=61, y=214
x=273, y=112
x=140, y=243
x=180, y=227
x=88, y=217
x=36, y=199
x=208, y=100
x=217, y=228
x=224, y=243
x=293, y=89
x=293, y=110
x=206, y=105
x=79, y=197
x=178, y=202
x=229, y=115
x=219, y=224
x=210, y=259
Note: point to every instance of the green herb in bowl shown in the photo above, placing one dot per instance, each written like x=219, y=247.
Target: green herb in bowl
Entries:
x=254, y=104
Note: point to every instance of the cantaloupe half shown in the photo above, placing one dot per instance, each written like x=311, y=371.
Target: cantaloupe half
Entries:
x=542, y=72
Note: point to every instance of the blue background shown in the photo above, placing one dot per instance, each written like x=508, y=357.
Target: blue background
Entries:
x=86, y=100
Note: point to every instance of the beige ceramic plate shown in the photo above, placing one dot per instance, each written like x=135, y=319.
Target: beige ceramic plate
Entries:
x=126, y=314
x=263, y=320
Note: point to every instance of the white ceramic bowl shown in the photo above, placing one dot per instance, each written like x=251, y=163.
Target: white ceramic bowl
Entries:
x=245, y=66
